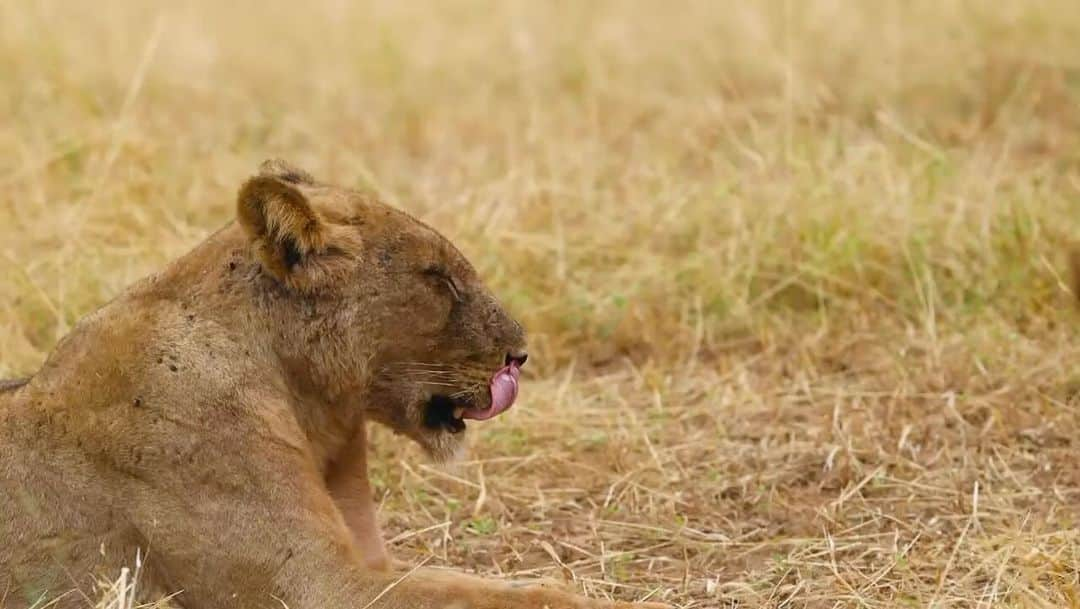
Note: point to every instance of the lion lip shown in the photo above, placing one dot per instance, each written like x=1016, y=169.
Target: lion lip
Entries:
x=504, y=391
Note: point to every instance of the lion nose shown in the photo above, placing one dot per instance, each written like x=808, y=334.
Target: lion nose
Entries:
x=517, y=358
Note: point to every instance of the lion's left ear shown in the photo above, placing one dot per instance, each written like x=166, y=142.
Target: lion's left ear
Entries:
x=284, y=228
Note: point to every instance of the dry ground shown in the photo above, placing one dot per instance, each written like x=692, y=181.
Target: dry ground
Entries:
x=794, y=272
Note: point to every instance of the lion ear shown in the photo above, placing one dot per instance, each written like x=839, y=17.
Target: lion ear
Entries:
x=283, y=227
x=285, y=171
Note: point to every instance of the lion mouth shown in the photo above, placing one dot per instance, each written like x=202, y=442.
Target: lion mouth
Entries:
x=449, y=413
x=503, y=389
x=442, y=412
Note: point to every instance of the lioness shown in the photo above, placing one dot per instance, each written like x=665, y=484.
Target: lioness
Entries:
x=214, y=414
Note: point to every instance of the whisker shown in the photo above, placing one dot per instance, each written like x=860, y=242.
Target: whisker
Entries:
x=442, y=367
x=427, y=373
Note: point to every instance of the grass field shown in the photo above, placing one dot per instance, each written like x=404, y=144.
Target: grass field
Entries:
x=795, y=273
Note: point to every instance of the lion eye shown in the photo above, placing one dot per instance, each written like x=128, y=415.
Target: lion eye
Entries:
x=441, y=274
x=450, y=285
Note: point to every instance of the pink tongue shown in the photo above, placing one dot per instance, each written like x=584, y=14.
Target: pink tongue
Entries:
x=504, y=390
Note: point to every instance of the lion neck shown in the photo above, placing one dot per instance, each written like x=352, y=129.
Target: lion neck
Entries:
x=294, y=339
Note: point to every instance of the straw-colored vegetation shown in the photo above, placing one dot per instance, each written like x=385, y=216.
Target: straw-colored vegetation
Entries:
x=794, y=271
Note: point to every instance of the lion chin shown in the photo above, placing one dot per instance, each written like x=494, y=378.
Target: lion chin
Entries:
x=446, y=449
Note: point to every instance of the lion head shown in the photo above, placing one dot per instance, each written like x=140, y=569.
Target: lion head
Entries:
x=374, y=310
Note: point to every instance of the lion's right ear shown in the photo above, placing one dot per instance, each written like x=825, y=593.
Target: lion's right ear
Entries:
x=284, y=228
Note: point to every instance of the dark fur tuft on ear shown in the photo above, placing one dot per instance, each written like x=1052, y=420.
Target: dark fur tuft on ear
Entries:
x=284, y=229
x=285, y=171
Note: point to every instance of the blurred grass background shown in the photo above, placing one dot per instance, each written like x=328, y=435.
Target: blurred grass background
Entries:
x=794, y=272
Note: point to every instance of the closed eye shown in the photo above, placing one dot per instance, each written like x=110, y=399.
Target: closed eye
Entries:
x=440, y=274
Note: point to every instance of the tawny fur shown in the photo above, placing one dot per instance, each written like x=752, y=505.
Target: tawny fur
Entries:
x=212, y=417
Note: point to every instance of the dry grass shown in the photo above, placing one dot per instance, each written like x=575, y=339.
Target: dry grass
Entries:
x=793, y=271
